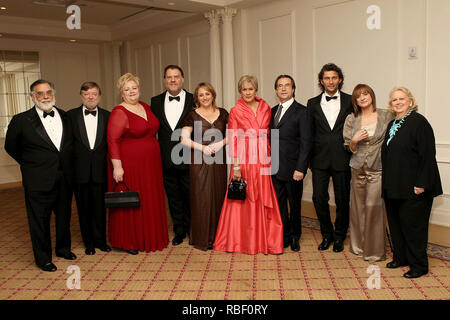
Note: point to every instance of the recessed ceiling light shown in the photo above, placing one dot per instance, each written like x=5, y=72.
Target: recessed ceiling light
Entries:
x=73, y=40
x=171, y=3
x=2, y=8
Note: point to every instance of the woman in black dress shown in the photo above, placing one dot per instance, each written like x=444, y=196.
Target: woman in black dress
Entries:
x=410, y=181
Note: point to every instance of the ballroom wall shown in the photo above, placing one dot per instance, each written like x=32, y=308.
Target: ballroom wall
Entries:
x=295, y=37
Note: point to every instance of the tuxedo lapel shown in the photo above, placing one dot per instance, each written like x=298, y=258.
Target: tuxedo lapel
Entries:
x=82, y=128
x=287, y=115
x=342, y=111
x=163, y=111
x=322, y=116
x=36, y=123
x=65, y=128
x=100, y=128
x=186, y=109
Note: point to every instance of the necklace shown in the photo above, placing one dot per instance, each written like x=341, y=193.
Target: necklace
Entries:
x=396, y=126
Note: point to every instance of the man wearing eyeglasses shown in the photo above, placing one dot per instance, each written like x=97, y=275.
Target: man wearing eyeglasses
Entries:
x=40, y=140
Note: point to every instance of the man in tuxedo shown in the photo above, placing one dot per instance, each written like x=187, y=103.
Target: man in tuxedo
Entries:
x=295, y=143
x=170, y=107
x=329, y=159
x=41, y=141
x=89, y=123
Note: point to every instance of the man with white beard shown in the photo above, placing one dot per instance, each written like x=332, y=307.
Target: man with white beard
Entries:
x=40, y=140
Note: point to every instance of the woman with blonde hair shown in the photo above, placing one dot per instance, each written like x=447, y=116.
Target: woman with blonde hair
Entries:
x=410, y=182
x=252, y=225
x=364, y=131
x=204, y=131
x=135, y=163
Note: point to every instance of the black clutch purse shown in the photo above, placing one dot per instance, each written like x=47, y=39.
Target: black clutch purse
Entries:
x=236, y=189
x=122, y=199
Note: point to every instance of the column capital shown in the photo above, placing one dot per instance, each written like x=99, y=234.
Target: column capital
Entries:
x=213, y=17
x=227, y=14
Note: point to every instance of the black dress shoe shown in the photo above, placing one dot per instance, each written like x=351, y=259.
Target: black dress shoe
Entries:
x=326, y=243
x=395, y=264
x=67, y=256
x=285, y=244
x=178, y=240
x=338, y=246
x=105, y=248
x=133, y=252
x=295, y=244
x=89, y=251
x=411, y=274
x=48, y=267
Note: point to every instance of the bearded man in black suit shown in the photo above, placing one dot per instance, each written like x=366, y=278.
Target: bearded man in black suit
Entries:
x=329, y=159
x=89, y=123
x=41, y=141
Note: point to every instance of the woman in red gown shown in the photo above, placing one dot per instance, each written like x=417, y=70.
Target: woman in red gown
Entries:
x=135, y=160
x=252, y=225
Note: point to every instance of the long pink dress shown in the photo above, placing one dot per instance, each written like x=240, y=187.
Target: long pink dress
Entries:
x=254, y=225
x=132, y=139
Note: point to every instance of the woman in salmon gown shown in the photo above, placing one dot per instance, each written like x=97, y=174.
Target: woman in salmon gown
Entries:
x=135, y=160
x=252, y=225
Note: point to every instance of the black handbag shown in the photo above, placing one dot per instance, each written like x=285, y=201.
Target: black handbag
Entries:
x=236, y=189
x=122, y=199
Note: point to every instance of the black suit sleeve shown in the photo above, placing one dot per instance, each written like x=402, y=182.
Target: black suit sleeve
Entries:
x=13, y=140
x=427, y=155
x=306, y=142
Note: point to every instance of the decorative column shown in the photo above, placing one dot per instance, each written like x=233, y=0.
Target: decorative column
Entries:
x=229, y=85
x=216, y=60
x=116, y=60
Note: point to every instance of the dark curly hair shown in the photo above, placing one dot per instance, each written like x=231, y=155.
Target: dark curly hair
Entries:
x=331, y=67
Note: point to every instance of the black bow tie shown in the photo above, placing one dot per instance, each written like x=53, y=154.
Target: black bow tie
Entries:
x=94, y=112
x=51, y=114
x=329, y=98
x=176, y=98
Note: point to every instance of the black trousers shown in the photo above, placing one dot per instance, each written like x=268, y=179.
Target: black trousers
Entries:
x=39, y=205
x=176, y=185
x=90, y=198
x=341, y=185
x=289, y=192
x=408, y=223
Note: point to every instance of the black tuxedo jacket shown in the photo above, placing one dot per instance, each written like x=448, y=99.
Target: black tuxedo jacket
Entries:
x=328, y=149
x=165, y=131
x=89, y=163
x=29, y=144
x=295, y=140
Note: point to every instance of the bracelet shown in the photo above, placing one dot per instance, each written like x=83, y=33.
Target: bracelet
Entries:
x=236, y=168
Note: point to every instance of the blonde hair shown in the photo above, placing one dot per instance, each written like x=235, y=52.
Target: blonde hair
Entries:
x=408, y=93
x=247, y=79
x=125, y=78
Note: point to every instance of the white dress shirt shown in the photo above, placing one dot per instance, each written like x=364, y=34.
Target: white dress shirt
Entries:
x=53, y=126
x=286, y=106
x=91, y=122
x=331, y=108
x=174, y=109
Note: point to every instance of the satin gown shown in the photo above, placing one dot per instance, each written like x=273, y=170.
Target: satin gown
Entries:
x=132, y=139
x=252, y=225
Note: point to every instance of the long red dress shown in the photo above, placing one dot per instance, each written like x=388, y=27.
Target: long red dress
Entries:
x=132, y=140
x=254, y=225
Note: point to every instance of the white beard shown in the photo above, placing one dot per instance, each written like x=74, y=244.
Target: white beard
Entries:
x=45, y=106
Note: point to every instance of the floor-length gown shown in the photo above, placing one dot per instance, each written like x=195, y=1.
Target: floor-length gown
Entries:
x=252, y=225
x=132, y=140
x=208, y=181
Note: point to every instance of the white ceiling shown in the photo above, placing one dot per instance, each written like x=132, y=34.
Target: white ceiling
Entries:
x=110, y=12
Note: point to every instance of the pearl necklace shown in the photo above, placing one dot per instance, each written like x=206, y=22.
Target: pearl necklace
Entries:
x=396, y=126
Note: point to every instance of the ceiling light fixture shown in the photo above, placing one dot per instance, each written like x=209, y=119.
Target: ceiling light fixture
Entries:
x=2, y=8
x=73, y=40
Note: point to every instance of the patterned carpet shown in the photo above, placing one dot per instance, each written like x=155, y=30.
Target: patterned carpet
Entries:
x=184, y=273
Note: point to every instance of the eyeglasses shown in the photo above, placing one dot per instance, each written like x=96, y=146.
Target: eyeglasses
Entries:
x=41, y=94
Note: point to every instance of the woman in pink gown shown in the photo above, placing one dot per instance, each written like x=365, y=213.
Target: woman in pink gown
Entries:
x=135, y=159
x=252, y=225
